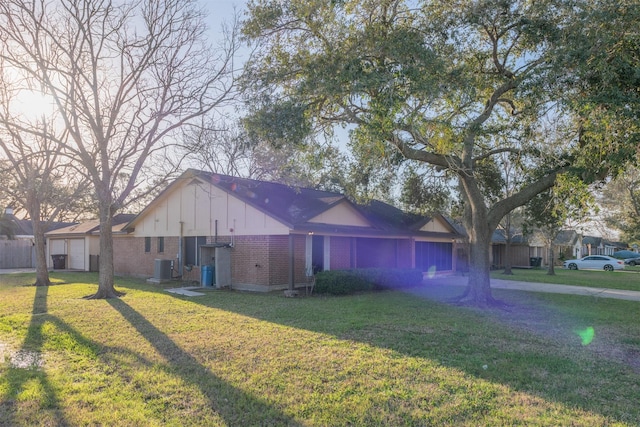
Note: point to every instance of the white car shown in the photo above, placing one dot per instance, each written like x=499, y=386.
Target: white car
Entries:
x=594, y=262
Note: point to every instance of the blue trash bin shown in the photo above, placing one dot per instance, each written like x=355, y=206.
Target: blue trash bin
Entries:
x=207, y=275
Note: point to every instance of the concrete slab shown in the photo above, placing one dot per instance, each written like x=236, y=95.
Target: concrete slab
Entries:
x=186, y=292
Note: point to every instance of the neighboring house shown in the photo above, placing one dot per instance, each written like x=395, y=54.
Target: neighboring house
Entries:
x=592, y=245
x=519, y=253
x=19, y=251
x=77, y=247
x=568, y=245
x=264, y=236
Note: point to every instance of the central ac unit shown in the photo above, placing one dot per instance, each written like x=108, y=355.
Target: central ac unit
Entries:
x=162, y=270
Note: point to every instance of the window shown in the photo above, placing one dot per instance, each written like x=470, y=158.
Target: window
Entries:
x=160, y=245
x=192, y=249
x=147, y=244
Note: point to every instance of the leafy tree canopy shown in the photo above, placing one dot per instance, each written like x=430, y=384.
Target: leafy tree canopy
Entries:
x=454, y=85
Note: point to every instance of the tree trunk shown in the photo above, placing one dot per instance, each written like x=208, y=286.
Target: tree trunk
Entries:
x=33, y=209
x=551, y=270
x=106, y=288
x=479, y=231
x=507, y=245
x=42, y=273
x=478, y=290
x=507, y=255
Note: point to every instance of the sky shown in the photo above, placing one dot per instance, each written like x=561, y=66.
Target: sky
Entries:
x=221, y=11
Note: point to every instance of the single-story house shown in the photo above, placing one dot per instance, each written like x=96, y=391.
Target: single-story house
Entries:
x=257, y=235
x=77, y=247
x=593, y=245
x=519, y=253
x=568, y=245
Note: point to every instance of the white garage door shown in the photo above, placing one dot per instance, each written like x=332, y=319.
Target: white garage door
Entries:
x=76, y=254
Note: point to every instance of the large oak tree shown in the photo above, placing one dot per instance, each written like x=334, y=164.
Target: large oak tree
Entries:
x=448, y=84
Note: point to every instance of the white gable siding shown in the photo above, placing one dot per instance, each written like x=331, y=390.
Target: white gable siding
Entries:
x=341, y=214
x=436, y=225
x=198, y=205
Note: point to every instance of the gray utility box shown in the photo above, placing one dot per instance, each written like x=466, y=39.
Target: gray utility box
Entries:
x=222, y=271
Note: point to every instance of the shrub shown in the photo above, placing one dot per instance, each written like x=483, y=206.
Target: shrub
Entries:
x=340, y=282
x=344, y=282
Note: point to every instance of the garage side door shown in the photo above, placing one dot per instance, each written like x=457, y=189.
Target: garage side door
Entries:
x=76, y=254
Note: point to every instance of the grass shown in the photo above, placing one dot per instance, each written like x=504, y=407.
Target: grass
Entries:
x=629, y=278
x=391, y=358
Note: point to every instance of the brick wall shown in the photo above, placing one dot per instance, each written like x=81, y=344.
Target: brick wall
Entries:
x=130, y=259
x=250, y=262
x=262, y=260
x=278, y=259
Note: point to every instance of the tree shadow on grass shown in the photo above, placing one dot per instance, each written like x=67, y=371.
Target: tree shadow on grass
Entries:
x=25, y=371
x=483, y=344
x=234, y=405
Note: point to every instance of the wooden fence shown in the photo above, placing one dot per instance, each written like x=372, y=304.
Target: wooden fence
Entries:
x=17, y=254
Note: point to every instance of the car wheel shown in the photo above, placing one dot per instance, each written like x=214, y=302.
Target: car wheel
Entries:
x=608, y=267
x=632, y=263
x=573, y=266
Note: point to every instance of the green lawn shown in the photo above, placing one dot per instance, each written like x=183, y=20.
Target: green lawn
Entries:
x=629, y=278
x=382, y=359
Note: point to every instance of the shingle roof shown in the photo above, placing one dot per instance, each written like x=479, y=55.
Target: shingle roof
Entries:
x=24, y=227
x=566, y=237
x=296, y=206
x=291, y=205
x=500, y=236
x=87, y=227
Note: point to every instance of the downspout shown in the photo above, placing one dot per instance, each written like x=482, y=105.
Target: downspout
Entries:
x=180, y=250
x=291, y=259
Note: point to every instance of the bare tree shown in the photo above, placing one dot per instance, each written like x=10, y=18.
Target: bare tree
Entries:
x=125, y=76
x=222, y=146
x=39, y=178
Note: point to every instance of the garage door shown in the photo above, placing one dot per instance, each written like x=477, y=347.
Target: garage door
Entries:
x=430, y=255
x=76, y=254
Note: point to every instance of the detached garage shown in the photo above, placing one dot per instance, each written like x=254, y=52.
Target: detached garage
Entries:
x=77, y=247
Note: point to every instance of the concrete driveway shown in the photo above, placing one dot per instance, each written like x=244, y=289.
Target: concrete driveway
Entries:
x=540, y=287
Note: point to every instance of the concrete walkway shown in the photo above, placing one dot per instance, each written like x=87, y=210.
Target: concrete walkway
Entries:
x=541, y=287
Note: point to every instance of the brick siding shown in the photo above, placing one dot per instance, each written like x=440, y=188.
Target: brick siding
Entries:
x=262, y=260
x=130, y=259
